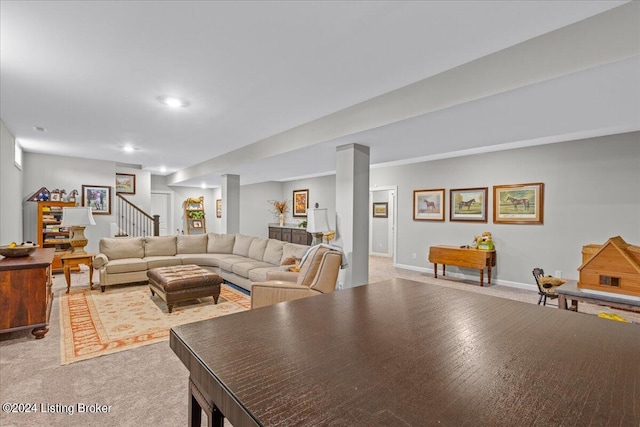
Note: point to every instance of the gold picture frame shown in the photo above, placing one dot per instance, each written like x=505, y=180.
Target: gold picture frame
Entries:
x=428, y=205
x=300, y=203
x=518, y=203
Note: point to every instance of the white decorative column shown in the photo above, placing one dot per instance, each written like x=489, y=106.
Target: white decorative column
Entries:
x=352, y=211
x=230, y=204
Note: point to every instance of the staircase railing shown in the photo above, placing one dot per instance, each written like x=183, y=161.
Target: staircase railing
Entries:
x=133, y=221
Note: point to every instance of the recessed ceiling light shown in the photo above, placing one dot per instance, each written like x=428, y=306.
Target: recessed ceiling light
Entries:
x=173, y=102
x=39, y=128
x=128, y=149
x=203, y=185
x=163, y=169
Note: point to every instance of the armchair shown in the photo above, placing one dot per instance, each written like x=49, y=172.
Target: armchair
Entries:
x=318, y=275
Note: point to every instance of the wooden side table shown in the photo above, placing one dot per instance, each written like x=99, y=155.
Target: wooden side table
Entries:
x=70, y=261
x=462, y=257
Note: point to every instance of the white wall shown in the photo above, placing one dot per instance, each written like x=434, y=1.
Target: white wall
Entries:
x=592, y=192
x=322, y=190
x=180, y=194
x=255, y=210
x=71, y=173
x=10, y=190
x=142, y=198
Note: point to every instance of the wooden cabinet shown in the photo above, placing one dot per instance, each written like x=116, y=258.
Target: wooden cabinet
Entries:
x=301, y=237
x=290, y=234
x=194, y=215
x=275, y=233
x=49, y=232
x=25, y=292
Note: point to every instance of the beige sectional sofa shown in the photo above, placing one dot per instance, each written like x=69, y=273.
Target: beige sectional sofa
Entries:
x=237, y=258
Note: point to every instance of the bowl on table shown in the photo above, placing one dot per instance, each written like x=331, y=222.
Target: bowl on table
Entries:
x=18, y=250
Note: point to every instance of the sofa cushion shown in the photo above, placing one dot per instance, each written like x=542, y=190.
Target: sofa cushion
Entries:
x=243, y=268
x=126, y=265
x=159, y=246
x=209, y=260
x=273, y=252
x=260, y=274
x=257, y=248
x=220, y=243
x=162, y=261
x=122, y=247
x=293, y=250
x=195, y=244
x=242, y=244
x=227, y=263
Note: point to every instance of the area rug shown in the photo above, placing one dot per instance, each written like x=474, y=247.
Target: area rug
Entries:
x=94, y=323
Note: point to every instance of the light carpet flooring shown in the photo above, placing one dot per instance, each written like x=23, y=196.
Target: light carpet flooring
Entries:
x=144, y=386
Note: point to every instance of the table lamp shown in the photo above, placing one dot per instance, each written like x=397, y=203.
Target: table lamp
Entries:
x=77, y=219
x=317, y=223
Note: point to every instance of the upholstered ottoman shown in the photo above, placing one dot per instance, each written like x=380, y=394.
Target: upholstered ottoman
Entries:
x=182, y=283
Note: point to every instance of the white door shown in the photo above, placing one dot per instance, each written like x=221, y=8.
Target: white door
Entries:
x=161, y=205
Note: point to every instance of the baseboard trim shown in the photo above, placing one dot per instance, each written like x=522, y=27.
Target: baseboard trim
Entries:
x=518, y=285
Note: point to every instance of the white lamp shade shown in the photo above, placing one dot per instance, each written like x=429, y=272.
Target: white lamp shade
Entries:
x=317, y=220
x=77, y=216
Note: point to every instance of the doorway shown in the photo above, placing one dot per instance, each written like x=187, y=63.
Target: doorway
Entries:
x=382, y=230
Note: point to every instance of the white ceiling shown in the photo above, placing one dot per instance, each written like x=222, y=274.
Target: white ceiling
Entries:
x=274, y=87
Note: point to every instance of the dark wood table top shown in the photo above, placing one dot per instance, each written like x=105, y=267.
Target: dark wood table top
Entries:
x=571, y=289
x=39, y=258
x=401, y=353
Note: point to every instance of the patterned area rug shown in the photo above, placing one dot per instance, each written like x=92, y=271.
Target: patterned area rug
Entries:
x=93, y=323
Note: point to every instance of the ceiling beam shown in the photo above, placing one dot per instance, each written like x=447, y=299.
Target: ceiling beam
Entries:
x=608, y=37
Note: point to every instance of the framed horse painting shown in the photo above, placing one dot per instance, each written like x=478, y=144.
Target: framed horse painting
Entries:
x=518, y=203
x=468, y=204
x=428, y=205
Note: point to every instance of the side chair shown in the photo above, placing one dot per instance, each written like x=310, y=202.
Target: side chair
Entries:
x=546, y=287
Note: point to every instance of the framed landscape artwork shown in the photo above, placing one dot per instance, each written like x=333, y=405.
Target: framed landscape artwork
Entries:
x=218, y=208
x=428, y=205
x=380, y=209
x=125, y=183
x=518, y=203
x=468, y=204
x=98, y=198
x=300, y=203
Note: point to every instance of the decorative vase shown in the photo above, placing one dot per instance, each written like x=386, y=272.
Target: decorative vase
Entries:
x=281, y=219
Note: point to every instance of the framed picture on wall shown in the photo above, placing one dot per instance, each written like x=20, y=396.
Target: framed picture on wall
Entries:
x=218, y=208
x=380, y=209
x=518, y=203
x=300, y=203
x=468, y=204
x=125, y=183
x=98, y=198
x=428, y=205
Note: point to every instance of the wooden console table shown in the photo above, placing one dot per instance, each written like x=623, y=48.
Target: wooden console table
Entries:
x=25, y=292
x=462, y=257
